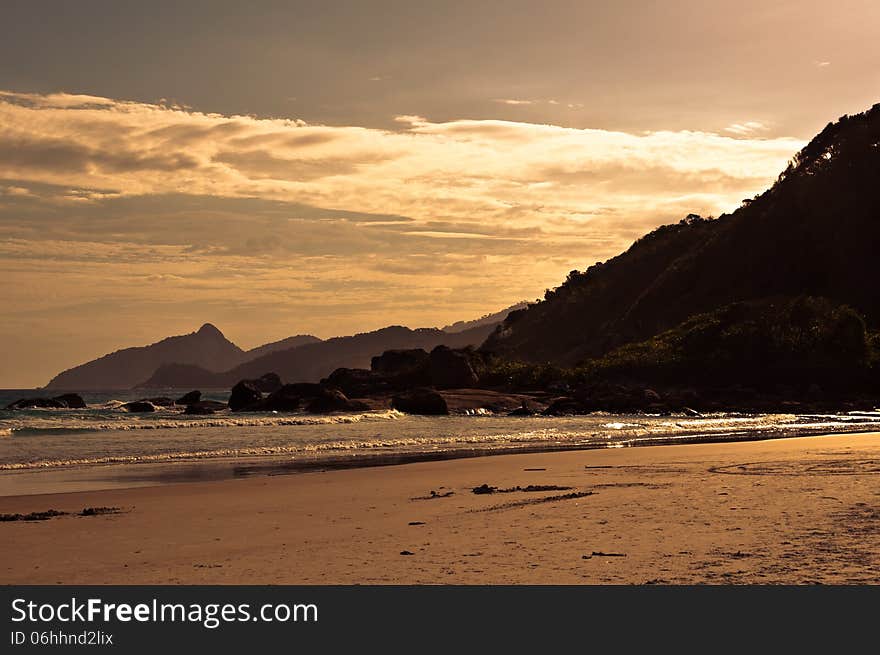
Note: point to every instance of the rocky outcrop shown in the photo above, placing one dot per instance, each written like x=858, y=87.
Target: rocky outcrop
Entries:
x=399, y=361
x=420, y=401
x=268, y=382
x=139, y=407
x=244, y=395
x=450, y=369
x=190, y=398
x=333, y=400
x=71, y=400
x=204, y=407
x=357, y=382
x=160, y=401
x=64, y=401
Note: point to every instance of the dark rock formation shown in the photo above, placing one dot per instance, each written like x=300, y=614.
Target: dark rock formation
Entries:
x=244, y=395
x=420, y=401
x=190, y=398
x=139, y=406
x=71, y=400
x=37, y=403
x=333, y=400
x=65, y=401
x=268, y=382
x=286, y=399
x=357, y=382
x=450, y=369
x=160, y=401
x=204, y=407
x=397, y=362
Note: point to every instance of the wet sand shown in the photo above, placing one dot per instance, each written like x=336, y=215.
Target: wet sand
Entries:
x=792, y=511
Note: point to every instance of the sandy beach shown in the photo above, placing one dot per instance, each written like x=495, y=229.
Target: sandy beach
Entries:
x=791, y=511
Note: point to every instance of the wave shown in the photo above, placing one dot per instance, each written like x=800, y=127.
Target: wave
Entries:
x=540, y=439
x=127, y=422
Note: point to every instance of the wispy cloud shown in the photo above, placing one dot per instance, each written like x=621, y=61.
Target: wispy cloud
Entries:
x=513, y=101
x=746, y=128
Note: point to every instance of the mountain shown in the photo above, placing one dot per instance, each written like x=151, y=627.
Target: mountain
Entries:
x=488, y=319
x=283, y=344
x=123, y=369
x=813, y=233
x=313, y=361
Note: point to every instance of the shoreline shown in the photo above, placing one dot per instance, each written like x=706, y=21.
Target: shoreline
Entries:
x=788, y=511
x=193, y=468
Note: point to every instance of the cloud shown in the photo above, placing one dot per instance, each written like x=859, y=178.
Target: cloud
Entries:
x=513, y=101
x=822, y=64
x=134, y=218
x=748, y=127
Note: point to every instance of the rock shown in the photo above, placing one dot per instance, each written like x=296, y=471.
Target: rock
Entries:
x=356, y=382
x=652, y=396
x=691, y=412
x=139, y=406
x=190, y=398
x=268, y=383
x=567, y=406
x=484, y=489
x=450, y=369
x=244, y=395
x=37, y=403
x=204, y=407
x=71, y=400
x=291, y=397
x=161, y=401
x=333, y=400
x=396, y=362
x=523, y=410
x=420, y=401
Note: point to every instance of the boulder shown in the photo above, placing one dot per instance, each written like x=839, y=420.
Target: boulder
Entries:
x=450, y=369
x=161, y=401
x=268, y=383
x=356, y=382
x=522, y=410
x=71, y=400
x=204, y=407
x=567, y=406
x=333, y=400
x=397, y=362
x=420, y=401
x=190, y=398
x=37, y=403
x=286, y=399
x=244, y=395
x=139, y=406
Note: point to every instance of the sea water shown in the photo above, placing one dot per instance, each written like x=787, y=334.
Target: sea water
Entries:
x=105, y=434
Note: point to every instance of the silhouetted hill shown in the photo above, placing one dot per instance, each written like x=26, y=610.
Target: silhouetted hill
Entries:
x=283, y=344
x=123, y=369
x=488, y=319
x=799, y=341
x=311, y=362
x=815, y=232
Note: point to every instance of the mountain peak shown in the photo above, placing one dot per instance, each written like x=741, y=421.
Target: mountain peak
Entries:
x=209, y=330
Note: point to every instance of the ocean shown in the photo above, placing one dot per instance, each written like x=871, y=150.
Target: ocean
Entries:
x=104, y=446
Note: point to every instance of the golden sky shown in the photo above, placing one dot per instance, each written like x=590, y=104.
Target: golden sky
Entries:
x=335, y=170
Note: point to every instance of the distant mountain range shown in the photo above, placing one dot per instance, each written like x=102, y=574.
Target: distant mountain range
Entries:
x=123, y=369
x=207, y=359
x=816, y=233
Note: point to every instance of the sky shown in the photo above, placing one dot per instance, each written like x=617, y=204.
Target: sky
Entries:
x=280, y=168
